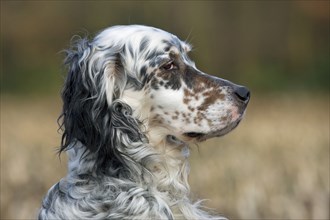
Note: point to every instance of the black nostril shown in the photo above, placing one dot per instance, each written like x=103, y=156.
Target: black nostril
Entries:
x=242, y=93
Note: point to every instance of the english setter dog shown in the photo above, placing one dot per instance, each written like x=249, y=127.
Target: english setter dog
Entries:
x=133, y=101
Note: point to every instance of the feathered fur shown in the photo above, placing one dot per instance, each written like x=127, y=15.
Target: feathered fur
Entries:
x=123, y=95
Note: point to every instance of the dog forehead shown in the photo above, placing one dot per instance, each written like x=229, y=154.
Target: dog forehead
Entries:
x=139, y=37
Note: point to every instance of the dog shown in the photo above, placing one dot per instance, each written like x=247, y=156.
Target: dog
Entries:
x=133, y=101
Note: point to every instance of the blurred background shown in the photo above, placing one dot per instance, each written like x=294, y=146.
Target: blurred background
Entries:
x=275, y=165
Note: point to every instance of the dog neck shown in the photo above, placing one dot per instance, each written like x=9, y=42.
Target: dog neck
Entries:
x=172, y=173
x=165, y=176
x=168, y=166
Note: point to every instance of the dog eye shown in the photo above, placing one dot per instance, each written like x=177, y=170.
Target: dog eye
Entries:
x=169, y=66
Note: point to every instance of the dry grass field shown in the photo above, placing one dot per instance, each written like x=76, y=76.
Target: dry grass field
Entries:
x=275, y=165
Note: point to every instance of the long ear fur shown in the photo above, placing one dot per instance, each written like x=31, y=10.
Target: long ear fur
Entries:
x=91, y=114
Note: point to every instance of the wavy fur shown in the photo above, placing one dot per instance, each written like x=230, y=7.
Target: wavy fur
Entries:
x=125, y=159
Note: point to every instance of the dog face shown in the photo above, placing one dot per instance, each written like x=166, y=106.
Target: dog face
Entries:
x=189, y=104
x=175, y=97
x=133, y=77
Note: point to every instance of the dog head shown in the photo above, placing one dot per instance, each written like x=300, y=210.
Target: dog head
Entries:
x=137, y=83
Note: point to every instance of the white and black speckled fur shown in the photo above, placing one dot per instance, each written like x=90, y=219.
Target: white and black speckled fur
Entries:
x=133, y=101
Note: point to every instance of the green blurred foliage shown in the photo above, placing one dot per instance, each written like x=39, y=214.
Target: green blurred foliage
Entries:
x=266, y=45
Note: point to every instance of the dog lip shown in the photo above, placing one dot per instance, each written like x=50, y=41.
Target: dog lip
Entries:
x=197, y=135
x=219, y=133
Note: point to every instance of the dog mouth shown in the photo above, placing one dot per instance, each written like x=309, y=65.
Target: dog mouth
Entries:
x=199, y=136
x=194, y=135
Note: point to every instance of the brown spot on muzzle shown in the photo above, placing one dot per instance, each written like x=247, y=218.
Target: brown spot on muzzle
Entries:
x=191, y=109
x=186, y=100
x=187, y=93
x=209, y=100
x=198, y=83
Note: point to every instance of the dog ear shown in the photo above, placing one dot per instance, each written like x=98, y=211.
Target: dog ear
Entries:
x=92, y=113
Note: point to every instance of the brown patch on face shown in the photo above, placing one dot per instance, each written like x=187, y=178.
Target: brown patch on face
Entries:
x=187, y=93
x=191, y=109
x=224, y=118
x=210, y=98
x=198, y=88
x=188, y=96
x=199, y=117
x=207, y=102
x=197, y=81
x=202, y=85
x=195, y=120
x=221, y=96
x=215, y=92
x=186, y=100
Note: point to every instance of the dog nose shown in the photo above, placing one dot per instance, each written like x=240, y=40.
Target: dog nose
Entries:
x=242, y=93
